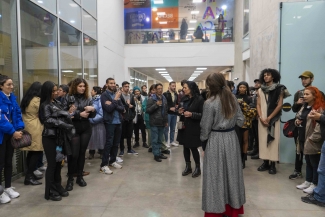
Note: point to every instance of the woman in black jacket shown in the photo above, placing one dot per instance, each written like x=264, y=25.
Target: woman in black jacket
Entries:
x=83, y=110
x=55, y=138
x=191, y=108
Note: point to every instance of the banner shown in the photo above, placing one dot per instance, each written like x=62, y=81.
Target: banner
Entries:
x=137, y=18
x=165, y=18
x=166, y=4
x=137, y=3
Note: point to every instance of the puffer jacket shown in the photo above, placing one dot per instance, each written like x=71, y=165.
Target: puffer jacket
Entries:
x=313, y=138
x=80, y=104
x=10, y=116
x=158, y=115
x=99, y=111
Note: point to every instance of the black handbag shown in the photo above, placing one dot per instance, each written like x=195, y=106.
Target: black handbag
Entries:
x=25, y=141
x=289, y=128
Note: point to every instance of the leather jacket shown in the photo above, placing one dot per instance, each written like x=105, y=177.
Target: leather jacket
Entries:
x=80, y=103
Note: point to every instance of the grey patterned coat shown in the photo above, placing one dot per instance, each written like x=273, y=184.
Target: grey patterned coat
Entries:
x=223, y=181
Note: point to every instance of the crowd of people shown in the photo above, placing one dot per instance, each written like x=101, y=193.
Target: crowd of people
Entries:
x=228, y=123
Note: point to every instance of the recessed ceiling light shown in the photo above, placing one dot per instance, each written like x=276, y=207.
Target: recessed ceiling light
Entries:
x=193, y=21
x=201, y=68
x=67, y=71
x=195, y=12
x=198, y=71
x=92, y=76
x=161, y=69
x=163, y=72
x=163, y=22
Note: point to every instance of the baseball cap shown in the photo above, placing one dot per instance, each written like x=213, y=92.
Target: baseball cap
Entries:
x=307, y=74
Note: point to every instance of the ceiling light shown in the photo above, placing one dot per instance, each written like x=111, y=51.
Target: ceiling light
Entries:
x=193, y=21
x=163, y=72
x=201, y=68
x=79, y=73
x=92, y=76
x=224, y=7
x=161, y=13
x=67, y=71
x=154, y=9
x=308, y=6
x=198, y=71
x=195, y=12
x=157, y=2
x=197, y=1
x=73, y=5
x=72, y=21
x=41, y=2
x=161, y=69
x=163, y=22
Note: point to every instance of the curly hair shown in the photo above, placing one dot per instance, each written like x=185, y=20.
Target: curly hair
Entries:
x=74, y=85
x=275, y=74
x=319, y=98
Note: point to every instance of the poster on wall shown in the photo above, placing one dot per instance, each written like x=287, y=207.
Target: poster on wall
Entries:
x=165, y=3
x=165, y=18
x=137, y=18
x=137, y=3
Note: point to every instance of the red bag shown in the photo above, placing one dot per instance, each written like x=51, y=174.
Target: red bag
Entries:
x=289, y=129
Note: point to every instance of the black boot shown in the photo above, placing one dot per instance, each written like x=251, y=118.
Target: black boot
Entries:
x=62, y=192
x=255, y=157
x=188, y=169
x=272, y=169
x=136, y=145
x=243, y=158
x=69, y=186
x=29, y=180
x=80, y=181
x=145, y=145
x=150, y=150
x=157, y=158
x=265, y=166
x=197, y=171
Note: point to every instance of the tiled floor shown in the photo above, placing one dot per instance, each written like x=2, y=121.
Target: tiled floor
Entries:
x=145, y=188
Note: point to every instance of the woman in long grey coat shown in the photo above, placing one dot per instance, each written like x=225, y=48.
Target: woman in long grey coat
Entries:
x=223, y=182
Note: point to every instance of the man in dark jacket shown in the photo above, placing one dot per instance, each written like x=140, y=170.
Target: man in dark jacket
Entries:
x=158, y=118
x=307, y=79
x=318, y=196
x=172, y=103
x=127, y=100
x=112, y=112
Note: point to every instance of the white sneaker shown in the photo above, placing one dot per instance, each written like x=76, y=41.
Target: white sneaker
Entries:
x=311, y=188
x=119, y=160
x=43, y=168
x=12, y=193
x=304, y=185
x=174, y=144
x=116, y=165
x=105, y=170
x=38, y=173
x=4, y=198
x=167, y=145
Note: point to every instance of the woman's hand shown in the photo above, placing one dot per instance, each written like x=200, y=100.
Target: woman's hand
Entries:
x=181, y=110
x=188, y=114
x=84, y=114
x=89, y=109
x=264, y=122
x=298, y=122
x=18, y=135
x=314, y=115
x=72, y=109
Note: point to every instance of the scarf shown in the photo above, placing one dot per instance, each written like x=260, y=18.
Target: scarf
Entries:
x=274, y=92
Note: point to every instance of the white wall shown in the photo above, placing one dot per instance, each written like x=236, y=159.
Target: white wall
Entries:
x=111, y=41
x=178, y=55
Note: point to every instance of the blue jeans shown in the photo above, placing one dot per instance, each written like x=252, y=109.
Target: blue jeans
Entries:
x=113, y=136
x=319, y=191
x=171, y=125
x=156, y=139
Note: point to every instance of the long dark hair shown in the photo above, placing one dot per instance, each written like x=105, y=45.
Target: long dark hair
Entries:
x=193, y=88
x=247, y=88
x=3, y=79
x=216, y=83
x=46, y=92
x=33, y=91
x=74, y=85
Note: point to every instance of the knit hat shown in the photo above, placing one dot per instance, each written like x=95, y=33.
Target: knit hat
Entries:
x=307, y=74
x=136, y=88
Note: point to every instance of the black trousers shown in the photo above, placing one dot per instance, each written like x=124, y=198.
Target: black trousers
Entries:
x=53, y=171
x=79, y=145
x=312, y=162
x=32, y=160
x=140, y=126
x=127, y=130
x=6, y=154
x=100, y=151
x=254, y=140
x=195, y=153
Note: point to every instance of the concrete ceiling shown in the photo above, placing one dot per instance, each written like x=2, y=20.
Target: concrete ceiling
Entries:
x=180, y=73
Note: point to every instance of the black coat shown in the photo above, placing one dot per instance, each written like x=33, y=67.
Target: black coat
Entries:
x=170, y=102
x=190, y=136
